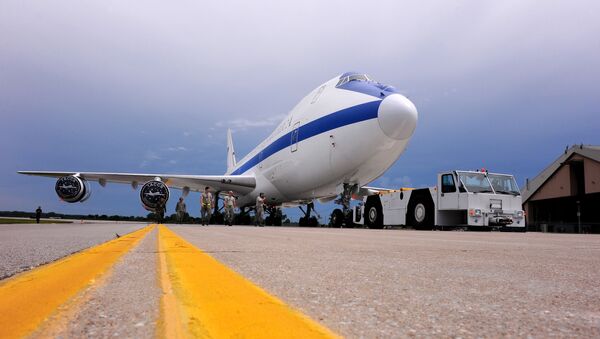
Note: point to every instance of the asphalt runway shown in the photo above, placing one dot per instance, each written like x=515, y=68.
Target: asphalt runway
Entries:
x=354, y=282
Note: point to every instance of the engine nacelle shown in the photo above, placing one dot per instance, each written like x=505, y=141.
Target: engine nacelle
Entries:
x=152, y=192
x=72, y=189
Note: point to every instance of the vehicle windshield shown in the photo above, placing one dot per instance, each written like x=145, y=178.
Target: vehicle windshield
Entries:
x=504, y=184
x=353, y=77
x=475, y=182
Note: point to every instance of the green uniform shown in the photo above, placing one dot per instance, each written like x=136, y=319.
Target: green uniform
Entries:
x=206, y=201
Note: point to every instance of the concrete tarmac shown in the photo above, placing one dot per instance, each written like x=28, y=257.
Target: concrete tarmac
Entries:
x=124, y=304
x=25, y=246
x=356, y=282
x=398, y=283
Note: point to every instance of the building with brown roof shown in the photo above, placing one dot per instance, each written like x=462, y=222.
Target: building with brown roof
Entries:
x=565, y=197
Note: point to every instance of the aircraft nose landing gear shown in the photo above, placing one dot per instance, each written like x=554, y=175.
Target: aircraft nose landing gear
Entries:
x=343, y=217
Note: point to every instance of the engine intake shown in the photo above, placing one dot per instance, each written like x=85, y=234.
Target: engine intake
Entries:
x=152, y=192
x=72, y=189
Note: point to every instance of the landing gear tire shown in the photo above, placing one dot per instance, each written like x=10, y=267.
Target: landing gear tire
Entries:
x=302, y=222
x=420, y=214
x=242, y=219
x=313, y=222
x=373, y=213
x=337, y=218
x=350, y=221
x=310, y=222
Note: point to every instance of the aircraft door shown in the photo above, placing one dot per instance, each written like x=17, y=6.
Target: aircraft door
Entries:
x=294, y=141
x=448, y=195
x=332, y=153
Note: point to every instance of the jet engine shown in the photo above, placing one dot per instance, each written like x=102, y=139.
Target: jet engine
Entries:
x=152, y=192
x=72, y=189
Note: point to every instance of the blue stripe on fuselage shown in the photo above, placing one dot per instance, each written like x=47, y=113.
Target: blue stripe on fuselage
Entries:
x=329, y=122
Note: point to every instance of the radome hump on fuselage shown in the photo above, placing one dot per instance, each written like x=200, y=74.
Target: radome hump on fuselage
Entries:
x=333, y=136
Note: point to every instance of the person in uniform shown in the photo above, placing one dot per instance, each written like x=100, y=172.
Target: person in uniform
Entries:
x=180, y=209
x=260, y=209
x=160, y=210
x=229, y=204
x=38, y=214
x=206, y=202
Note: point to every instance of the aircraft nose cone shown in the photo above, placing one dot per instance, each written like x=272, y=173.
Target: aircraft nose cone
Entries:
x=397, y=117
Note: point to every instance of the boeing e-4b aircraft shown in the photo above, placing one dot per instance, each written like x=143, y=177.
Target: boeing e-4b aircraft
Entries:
x=344, y=134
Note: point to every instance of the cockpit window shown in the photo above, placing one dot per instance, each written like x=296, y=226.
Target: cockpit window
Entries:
x=358, y=77
x=352, y=77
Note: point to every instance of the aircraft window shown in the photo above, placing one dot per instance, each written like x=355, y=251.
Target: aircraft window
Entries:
x=358, y=77
x=354, y=77
x=342, y=81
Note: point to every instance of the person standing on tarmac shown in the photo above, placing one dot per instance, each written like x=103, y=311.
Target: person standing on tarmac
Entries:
x=229, y=204
x=160, y=210
x=206, y=203
x=260, y=209
x=38, y=214
x=180, y=209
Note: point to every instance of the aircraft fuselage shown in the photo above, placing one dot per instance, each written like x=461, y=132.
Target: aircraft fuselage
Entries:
x=340, y=133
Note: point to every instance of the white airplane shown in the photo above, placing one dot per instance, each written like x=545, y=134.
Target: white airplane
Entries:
x=344, y=134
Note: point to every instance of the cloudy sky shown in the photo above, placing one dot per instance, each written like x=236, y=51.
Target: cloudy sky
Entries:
x=151, y=86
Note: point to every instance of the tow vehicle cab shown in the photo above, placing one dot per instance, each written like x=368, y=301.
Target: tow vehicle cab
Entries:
x=460, y=198
x=479, y=198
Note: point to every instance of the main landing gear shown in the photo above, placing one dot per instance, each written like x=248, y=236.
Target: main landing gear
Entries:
x=343, y=217
x=274, y=217
x=243, y=218
x=217, y=216
x=307, y=219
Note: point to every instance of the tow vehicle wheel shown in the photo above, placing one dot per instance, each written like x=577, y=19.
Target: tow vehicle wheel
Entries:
x=513, y=229
x=373, y=213
x=337, y=218
x=420, y=214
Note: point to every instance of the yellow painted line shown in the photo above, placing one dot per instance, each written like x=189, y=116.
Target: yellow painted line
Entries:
x=27, y=299
x=170, y=323
x=211, y=300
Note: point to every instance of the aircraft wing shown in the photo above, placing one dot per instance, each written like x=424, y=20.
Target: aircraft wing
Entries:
x=241, y=184
x=367, y=190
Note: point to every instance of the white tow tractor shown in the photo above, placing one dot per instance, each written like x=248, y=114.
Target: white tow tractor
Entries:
x=473, y=199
